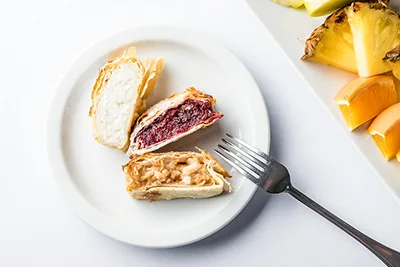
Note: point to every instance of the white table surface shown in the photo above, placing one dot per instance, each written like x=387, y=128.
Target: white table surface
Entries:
x=40, y=39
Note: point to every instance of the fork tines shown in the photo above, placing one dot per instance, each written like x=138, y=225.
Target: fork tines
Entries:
x=248, y=160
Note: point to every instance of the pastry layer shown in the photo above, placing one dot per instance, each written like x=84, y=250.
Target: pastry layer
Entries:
x=177, y=120
x=175, y=175
x=172, y=119
x=119, y=97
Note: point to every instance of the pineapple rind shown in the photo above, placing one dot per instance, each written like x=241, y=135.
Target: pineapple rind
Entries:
x=332, y=44
x=393, y=57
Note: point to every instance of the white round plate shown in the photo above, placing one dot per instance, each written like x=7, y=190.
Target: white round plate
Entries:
x=90, y=174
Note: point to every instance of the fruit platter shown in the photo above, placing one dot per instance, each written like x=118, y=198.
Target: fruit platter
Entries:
x=348, y=54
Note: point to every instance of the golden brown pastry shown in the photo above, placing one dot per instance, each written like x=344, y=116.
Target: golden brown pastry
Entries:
x=156, y=176
x=171, y=119
x=119, y=97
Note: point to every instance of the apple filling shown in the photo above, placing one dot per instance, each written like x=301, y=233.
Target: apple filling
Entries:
x=178, y=171
x=176, y=121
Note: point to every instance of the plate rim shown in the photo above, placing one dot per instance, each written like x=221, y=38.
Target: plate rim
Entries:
x=77, y=202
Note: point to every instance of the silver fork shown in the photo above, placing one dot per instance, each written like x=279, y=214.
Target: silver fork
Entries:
x=274, y=178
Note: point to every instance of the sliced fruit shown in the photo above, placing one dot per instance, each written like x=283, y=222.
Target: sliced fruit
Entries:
x=376, y=30
x=323, y=7
x=385, y=130
x=363, y=99
x=393, y=57
x=289, y=3
x=332, y=43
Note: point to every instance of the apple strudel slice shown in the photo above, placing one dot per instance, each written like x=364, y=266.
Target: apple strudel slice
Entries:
x=172, y=175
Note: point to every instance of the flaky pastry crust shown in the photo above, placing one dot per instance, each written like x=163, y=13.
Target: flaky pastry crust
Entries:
x=158, y=109
x=157, y=176
x=149, y=72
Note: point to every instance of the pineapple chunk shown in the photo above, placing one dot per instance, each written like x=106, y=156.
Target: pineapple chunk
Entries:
x=323, y=7
x=289, y=3
x=393, y=57
x=376, y=30
x=332, y=43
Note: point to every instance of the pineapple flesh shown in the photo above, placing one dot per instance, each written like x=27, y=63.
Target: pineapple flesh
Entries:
x=393, y=58
x=376, y=29
x=289, y=3
x=323, y=7
x=332, y=43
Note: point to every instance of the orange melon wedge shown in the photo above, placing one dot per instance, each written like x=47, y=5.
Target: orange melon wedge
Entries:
x=364, y=98
x=385, y=130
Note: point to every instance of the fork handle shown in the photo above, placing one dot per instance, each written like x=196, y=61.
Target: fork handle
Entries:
x=389, y=256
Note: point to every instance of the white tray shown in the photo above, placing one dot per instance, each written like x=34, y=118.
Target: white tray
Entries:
x=289, y=28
